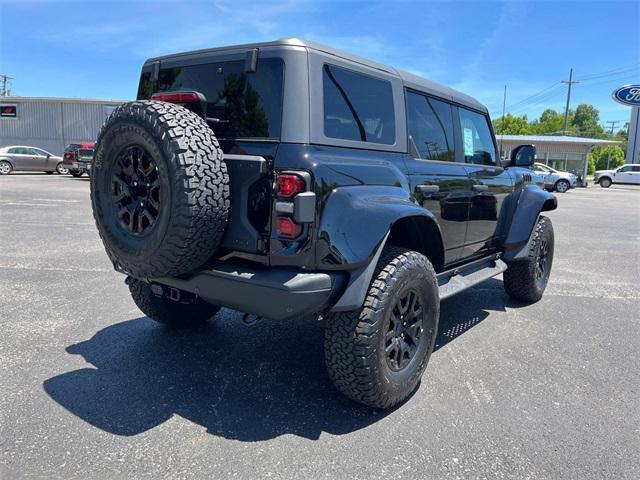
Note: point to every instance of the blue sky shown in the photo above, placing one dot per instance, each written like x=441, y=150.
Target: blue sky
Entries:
x=95, y=48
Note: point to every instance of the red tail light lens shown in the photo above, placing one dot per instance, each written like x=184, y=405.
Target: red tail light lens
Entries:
x=176, y=97
x=288, y=228
x=289, y=185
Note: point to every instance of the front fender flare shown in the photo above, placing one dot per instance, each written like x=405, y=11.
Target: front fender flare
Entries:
x=531, y=202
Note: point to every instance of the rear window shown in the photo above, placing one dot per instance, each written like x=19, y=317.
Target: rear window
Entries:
x=72, y=146
x=247, y=105
x=357, y=106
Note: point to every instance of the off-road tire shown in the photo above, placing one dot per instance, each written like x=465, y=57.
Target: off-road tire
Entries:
x=169, y=312
x=355, y=341
x=562, y=186
x=76, y=173
x=6, y=167
x=605, y=182
x=193, y=183
x=520, y=279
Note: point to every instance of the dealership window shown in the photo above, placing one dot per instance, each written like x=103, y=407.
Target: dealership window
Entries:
x=357, y=107
x=430, y=124
x=477, y=140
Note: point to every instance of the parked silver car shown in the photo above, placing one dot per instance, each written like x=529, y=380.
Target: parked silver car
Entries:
x=19, y=158
x=554, y=179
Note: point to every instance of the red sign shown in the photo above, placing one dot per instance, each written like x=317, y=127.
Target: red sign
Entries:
x=8, y=111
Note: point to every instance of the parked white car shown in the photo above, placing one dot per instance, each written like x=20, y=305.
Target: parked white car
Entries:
x=555, y=179
x=629, y=174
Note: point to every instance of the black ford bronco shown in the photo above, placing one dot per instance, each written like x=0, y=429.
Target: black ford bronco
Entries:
x=287, y=178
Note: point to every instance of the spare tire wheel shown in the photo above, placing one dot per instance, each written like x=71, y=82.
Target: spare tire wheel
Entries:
x=159, y=189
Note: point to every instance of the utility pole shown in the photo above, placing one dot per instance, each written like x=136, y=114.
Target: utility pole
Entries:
x=5, y=91
x=504, y=103
x=613, y=124
x=566, y=109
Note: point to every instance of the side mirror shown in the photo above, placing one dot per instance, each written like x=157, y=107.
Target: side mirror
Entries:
x=523, y=156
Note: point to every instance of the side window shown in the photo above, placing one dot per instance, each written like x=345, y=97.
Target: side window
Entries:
x=357, y=106
x=14, y=150
x=635, y=168
x=626, y=168
x=477, y=140
x=430, y=124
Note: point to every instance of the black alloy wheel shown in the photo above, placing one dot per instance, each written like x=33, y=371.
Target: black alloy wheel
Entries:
x=136, y=190
x=405, y=330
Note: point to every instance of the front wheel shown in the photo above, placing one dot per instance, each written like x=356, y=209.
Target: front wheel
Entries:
x=169, y=312
x=605, y=182
x=61, y=169
x=377, y=355
x=562, y=186
x=526, y=279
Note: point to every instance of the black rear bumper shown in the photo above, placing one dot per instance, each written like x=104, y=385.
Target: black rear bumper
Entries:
x=276, y=293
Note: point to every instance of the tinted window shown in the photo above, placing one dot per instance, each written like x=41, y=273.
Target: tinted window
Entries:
x=430, y=124
x=357, y=107
x=626, y=168
x=247, y=105
x=15, y=150
x=635, y=168
x=477, y=141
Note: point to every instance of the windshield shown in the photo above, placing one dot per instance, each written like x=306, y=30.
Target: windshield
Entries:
x=246, y=105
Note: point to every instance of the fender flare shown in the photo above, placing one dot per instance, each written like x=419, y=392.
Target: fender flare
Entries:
x=531, y=202
x=366, y=213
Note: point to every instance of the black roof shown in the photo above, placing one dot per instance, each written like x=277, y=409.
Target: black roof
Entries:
x=409, y=79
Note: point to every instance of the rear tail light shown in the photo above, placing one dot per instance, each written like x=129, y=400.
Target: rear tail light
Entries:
x=287, y=228
x=289, y=185
x=176, y=97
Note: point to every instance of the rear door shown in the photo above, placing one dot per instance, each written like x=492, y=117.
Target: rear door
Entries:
x=439, y=183
x=21, y=158
x=490, y=183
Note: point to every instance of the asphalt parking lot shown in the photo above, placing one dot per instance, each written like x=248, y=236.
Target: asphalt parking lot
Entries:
x=90, y=388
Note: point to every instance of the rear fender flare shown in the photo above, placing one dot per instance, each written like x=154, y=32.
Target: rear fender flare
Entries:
x=354, y=229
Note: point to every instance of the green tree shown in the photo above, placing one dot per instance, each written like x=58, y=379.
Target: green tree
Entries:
x=550, y=122
x=586, y=121
x=512, y=125
x=600, y=156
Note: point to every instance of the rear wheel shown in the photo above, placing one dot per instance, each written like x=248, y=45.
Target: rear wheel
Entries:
x=562, y=186
x=61, y=169
x=376, y=355
x=169, y=312
x=76, y=173
x=5, y=167
x=605, y=182
x=526, y=279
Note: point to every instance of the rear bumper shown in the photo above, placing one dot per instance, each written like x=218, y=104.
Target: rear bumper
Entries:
x=275, y=293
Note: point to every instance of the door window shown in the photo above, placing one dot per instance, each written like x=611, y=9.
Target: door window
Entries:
x=477, y=140
x=626, y=168
x=357, y=106
x=430, y=123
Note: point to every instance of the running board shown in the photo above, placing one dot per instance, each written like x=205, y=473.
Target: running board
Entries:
x=467, y=276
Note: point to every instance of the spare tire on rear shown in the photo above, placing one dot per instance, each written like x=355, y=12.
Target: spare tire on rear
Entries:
x=159, y=189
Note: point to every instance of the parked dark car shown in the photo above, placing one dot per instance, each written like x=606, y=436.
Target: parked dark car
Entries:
x=287, y=178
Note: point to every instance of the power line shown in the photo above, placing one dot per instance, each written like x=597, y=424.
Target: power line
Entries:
x=614, y=71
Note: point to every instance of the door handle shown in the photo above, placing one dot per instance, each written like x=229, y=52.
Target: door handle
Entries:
x=428, y=189
x=480, y=188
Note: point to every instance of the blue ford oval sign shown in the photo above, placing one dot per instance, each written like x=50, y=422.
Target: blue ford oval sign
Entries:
x=628, y=95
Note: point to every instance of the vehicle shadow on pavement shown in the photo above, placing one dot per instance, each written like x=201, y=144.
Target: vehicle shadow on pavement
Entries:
x=242, y=382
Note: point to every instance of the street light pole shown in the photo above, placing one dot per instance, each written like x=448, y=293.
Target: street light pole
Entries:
x=566, y=109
